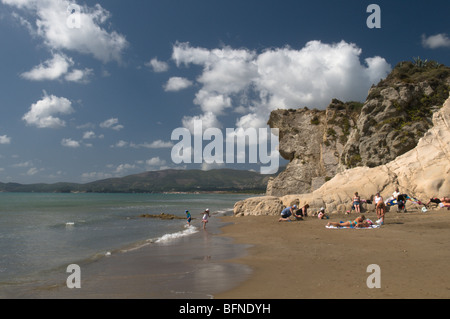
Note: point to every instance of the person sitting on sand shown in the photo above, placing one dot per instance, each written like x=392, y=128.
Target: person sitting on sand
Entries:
x=301, y=212
x=358, y=222
x=287, y=213
x=321, y=214
x=357, y=203
x=400, y=200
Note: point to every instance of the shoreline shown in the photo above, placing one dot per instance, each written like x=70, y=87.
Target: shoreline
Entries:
x=305, y=260
x=189, y=267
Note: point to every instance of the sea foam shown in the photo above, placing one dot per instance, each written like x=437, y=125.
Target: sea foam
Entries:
x=168, y=237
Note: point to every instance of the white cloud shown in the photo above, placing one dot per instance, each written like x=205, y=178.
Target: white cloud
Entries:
x=157, y=66
x=33, y=171
x=212, y=102
x=53, y=25
x=88, y=135
x=49, y=70
x=79, y=76
x=95, y=175
x=42, y=113
x=23, y=164
x=253, y=84
x=154, y=144
x=112, y=123
x=56, y=68
x=440, y=40
x=207, y=120
x=177, y=84
x=122, y=168
x=121, y=144
x=155, y=161
x=67, y=142
x=4, y=139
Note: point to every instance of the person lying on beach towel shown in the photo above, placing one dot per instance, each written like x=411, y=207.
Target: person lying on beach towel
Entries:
x=359, y=222
x=441, y=202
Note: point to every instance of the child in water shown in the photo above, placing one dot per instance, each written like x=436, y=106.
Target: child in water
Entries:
x=188, y=216
x=205, y=217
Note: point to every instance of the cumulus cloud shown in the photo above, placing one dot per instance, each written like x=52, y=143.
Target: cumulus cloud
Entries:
x=253, y=84
x=79, y=76
x=157, y=66
x=53, y=23
x=155, y=161
x=177, y=84
x=440, y=40
x=206, y=120
x=56, y=68
x=112, y=123
x=153, y=145
x=42, y=114
x=89, y=135
x=4, y=139
x=67, y=142
x=50, y=69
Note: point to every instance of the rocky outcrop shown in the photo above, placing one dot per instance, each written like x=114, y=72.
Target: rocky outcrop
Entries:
x=422, y=172
x=396, y=114
x=313, y=142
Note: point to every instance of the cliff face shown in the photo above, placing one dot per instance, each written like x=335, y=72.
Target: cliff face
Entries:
x=422, y=172
x=396, y=114
x=313, y=141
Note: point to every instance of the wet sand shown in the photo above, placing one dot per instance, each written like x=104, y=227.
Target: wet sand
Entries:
x=191, y=267
x=305, y=260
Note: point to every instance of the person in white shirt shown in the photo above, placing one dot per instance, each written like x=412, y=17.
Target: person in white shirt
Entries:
x=379, y=208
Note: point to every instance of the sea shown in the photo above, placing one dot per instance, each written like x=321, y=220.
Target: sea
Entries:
x=117, y=251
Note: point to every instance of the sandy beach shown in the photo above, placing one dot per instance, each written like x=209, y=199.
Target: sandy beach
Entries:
x=305, y=260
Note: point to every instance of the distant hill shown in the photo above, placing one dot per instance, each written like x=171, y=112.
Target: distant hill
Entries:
x=171, y=180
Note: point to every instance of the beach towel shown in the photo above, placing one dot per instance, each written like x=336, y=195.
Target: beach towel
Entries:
x=372, y=226
x=414, y=200
x=391, y=201
x=348, y=227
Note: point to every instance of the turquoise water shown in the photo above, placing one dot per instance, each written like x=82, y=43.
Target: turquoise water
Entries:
x=42, y=233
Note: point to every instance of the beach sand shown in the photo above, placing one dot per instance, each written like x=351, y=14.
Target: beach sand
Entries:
x=305, y=260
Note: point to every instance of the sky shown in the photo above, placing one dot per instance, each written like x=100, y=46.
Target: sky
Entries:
x=97, y=89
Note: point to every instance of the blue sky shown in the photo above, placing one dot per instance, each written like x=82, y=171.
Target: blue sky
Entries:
x=98, y=94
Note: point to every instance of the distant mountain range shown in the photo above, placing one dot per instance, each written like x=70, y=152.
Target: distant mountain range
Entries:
x=171, y=180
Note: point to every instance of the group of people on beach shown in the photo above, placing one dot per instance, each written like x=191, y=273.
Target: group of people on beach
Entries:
x=361, y=221
x=205, y=216
x=299, y=213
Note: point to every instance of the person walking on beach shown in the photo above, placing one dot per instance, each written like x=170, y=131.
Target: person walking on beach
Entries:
x=188, y=217
x=205, y=217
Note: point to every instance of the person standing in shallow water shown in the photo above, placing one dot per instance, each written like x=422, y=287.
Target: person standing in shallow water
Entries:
x=188, y=217
x=205, y=217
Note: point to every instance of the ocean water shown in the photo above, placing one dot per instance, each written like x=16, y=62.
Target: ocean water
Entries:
x=41, y=234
